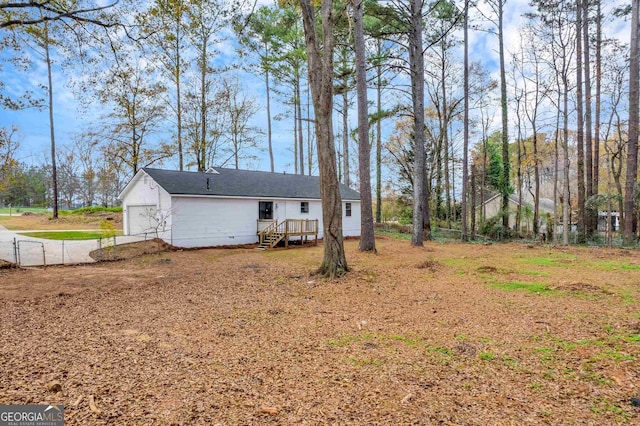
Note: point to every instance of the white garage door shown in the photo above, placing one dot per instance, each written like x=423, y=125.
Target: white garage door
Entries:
x=142, y=219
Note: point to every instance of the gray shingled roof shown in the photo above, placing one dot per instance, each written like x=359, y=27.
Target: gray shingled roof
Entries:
x=243, y=183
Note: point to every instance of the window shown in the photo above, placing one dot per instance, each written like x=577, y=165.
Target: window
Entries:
x=347, y=209
x=304, y=207
x=266, y=210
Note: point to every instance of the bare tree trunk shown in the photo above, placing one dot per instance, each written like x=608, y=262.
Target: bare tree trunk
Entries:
x=203, y=107
x=427, y=212
x=295, y=137
x=444, y=149
x=536, y=174
x=179, y=100
x=473, y=201
x=54, y=172
x=416, y=66
x=269, y=136
x=345, y=133
x=518, y=99
x=300, y=138
x=483, y=183
x=465, y=148
x=320, y=59
x=367, y=239
x=580, y=125
x=309, y=139
x=379, y=136
x=589, y=217
x=566, y=209
x=505, y=121
x=632, y=144
x=556, y=168
x=596, y=129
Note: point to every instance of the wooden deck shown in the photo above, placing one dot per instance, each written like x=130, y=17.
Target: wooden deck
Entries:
x=270, y=233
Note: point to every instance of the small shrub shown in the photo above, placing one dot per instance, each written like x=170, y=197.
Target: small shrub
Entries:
x=107, y=228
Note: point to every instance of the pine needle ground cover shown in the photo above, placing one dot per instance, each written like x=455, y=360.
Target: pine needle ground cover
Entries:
x=446, y=334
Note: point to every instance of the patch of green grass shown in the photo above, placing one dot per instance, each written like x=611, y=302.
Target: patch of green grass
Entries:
x=546, y=354
x=604, y=405
x=20, y=210
x=628, y=298
x=593, y=377
x=440, y=354
x=565, y=346
x=92, y=210
x=507, y=360
x=348, y=339
x=632, y=337
x=540, y=261
x=68, y=235
x=535, y=273
x=396, y=235
x=407, y=341
x=538, y=288
x=614, y=355
x=440, y=349
x=557, y=259
x=616, y=410
x=487, y=356
x=455, y=262
x=611, y=345
x=608, y=328
x=613, y=265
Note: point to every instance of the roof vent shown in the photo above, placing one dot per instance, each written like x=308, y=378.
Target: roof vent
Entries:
x=212, y=170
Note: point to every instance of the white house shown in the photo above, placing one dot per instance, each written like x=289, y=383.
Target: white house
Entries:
x=228, y=206
x=492, y=206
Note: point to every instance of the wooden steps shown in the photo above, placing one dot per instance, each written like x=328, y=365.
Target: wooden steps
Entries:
x=275, y=232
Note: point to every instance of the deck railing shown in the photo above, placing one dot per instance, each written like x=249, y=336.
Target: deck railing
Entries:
x=287, y=228
x=295, y=227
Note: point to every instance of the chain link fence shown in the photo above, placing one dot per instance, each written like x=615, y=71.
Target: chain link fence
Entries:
x=25, y=252
x=446, y=234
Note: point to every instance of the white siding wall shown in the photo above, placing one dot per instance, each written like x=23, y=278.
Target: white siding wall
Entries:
x=203, y=222
x=351, y=224
x=145, y=191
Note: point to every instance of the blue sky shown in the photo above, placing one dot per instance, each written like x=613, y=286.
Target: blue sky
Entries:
x=71, y=119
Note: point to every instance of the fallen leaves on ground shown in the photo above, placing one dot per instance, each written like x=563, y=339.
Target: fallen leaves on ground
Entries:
x=447, y=334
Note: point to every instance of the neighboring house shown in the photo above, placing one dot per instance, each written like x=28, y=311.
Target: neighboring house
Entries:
x=603, y=221
x=492, y=206
x=228, y=207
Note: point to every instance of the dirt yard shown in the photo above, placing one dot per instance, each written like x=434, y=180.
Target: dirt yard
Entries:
x=450, y=334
